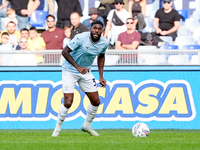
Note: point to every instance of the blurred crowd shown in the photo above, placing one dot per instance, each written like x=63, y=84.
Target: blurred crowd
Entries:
x=124, y=25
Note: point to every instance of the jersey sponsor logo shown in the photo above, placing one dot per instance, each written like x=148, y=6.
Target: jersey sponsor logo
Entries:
x=71, y=44
x=120, y=100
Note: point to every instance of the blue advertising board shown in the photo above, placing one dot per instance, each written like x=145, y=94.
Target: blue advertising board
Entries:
x=164, y=97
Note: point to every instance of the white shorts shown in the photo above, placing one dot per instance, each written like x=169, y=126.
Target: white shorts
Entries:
x=86, y=82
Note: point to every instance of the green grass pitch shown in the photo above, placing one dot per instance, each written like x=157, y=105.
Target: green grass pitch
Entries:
x=109, y=139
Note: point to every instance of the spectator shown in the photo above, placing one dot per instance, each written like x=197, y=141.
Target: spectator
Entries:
x=36, y=43
x=65, y=8
x=137, y=9
x=107, y=5
x=6, y=46
x=66, y=40
x=24, y=33
x=22, y=13
x=94, y=15
x=104, y=8
x=129, y=40
x=116, y=21
x=24, y=59
x=78, y=27
x=13, y=33
x=11, y=16
x=167, y=20
x=53, y=37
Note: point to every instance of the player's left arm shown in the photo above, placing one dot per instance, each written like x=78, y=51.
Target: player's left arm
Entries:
x=100, y=61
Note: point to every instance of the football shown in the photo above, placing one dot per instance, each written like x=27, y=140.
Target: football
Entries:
x=140, y=130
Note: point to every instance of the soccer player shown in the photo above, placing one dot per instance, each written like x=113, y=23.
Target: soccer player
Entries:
x=79, y=55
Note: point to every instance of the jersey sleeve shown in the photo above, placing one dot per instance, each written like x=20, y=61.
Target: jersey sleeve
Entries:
x=75, y=42
x=105, y=48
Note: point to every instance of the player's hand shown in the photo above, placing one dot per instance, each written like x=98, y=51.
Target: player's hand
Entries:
x=102, y=81
x=83, y=70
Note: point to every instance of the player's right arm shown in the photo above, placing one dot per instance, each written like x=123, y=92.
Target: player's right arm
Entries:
x=70, y=59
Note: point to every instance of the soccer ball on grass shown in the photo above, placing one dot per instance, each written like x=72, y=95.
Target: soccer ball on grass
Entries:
x=140, y=130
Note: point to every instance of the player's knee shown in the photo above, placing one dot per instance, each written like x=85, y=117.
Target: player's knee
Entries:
x=68, y=102
x=96, y=102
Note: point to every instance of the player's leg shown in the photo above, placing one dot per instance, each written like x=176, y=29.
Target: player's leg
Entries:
x=63, y=110
x=68, y=83
x=88, y=85
x=91, y=112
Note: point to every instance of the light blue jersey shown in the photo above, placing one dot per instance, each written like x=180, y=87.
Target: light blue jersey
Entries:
x=84, y=51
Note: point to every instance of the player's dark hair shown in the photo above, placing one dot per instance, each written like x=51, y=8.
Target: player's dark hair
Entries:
x=97, y=22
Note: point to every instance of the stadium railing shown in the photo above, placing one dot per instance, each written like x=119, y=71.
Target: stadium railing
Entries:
x=113, y=57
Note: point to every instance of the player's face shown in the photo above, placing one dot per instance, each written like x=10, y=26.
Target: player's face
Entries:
x=96, y=31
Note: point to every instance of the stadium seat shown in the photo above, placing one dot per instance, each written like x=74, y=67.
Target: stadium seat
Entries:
x=196, y=33
x=178, y=60
x=181, y=41
x=198, y=41
x=191, y=47
x=38, y=19
x=168, y=47
x=144, y=55
x=184, y=13
x=183, y=31
x=167, y=39
x=191, y=24
x=147, y=47
x=196, y=15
